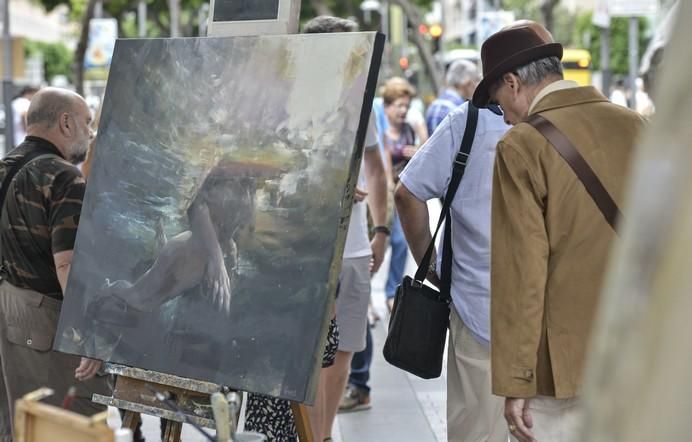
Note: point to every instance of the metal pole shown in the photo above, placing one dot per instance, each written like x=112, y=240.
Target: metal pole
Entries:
x=605, y=60
x=7, y=87
x=479, y=13
x=386, y=57
x=142, y=18
x=202, y=17
x=98, y=10
x=404, y=36
x=174, y=6
x=634, y=59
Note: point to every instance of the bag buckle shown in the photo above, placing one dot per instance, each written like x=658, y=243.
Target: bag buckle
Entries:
x=461, y=159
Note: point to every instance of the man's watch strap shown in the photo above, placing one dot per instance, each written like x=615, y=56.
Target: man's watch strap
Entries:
x=381, y=229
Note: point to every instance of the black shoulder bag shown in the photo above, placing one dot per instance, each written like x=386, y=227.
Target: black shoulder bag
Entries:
x=420, y=316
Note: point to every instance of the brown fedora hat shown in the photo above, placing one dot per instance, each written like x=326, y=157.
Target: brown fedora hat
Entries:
x=510, y=48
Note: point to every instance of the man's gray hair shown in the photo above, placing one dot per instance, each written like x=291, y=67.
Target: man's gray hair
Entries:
x=326, y=24
x=48, y=104
x=460, y=72
x=539, y=70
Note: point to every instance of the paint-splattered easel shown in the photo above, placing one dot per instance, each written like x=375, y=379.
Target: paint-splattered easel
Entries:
x=140, y=391
x=136, y=390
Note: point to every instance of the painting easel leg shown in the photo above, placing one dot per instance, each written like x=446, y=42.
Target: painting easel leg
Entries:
x=172, y=431
x=131, y=419
x=300, y=414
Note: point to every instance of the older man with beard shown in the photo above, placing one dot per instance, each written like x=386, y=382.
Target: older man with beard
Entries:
x=41, y=204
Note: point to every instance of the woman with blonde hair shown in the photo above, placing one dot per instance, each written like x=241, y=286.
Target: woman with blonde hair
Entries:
x=400, y=145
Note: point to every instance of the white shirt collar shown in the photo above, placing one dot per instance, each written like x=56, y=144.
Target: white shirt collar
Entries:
x=552, y=87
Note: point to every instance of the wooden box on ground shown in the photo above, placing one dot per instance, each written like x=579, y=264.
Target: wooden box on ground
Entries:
x=39, y=422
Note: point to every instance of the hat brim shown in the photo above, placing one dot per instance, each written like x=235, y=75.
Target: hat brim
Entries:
x=481, y=96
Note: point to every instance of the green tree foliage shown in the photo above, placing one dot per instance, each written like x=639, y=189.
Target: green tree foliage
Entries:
x=523, y=9
x=57, y=58
x=344, y=8
x=590, y=35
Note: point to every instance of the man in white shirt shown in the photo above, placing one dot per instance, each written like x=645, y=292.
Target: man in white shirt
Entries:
x=362, y=257
x=473, y=413
x=20, y=106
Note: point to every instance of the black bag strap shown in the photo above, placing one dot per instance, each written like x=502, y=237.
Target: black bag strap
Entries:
x=581, y=168
x=12, y=171
x=457, y=173
x=16, y=167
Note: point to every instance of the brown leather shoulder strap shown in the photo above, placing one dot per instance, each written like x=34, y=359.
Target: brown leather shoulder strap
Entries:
x=581, y=168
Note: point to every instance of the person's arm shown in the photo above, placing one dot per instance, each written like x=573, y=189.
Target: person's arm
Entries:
x=63, y=261
x=426, y=176
x=376, y=179
x=415, y=221
x=519, y=268
x=68, y=194
x=421, y=133
x=216, y=274
x=87, y=368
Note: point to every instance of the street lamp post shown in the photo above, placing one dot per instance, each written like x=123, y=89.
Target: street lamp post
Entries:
x=7, y=88
x=634, y=59
x=142, y=18
x=369, y=6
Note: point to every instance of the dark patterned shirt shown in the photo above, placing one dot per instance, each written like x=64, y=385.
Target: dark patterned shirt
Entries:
x=42, y=212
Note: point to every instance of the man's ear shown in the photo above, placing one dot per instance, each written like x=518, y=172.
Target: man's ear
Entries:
x=65, y=124
x=511, y=81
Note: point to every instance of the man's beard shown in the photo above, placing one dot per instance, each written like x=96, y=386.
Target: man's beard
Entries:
x=79, y=153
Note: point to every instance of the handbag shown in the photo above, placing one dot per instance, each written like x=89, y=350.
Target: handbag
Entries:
x=420, y=315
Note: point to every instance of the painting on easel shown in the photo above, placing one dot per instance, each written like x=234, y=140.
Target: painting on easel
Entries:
x=214, y=220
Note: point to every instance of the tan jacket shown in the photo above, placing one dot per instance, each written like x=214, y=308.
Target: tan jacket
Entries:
x=550, y=243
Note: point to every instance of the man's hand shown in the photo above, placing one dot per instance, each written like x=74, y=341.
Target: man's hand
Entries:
x=360, y=195
x=87, y=369
x=519, y=419
x=378, y=246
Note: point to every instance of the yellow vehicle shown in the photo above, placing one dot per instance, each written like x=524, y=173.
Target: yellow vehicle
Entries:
x=577, y=66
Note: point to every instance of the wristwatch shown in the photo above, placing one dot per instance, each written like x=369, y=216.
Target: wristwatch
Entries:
x=381, y=229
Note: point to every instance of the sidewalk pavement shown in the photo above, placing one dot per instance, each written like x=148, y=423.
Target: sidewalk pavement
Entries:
x=405, y=408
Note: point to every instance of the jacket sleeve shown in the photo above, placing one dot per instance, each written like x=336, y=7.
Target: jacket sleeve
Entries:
x=519, y=266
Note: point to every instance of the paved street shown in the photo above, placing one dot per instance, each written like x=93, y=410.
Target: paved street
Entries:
x=404, y=408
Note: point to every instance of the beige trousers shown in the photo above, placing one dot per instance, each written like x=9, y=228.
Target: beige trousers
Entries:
x=555, y=420
x=28, y=322
x=474, y=414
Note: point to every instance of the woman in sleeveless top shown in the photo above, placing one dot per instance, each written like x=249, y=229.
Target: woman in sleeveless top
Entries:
x=400, y=145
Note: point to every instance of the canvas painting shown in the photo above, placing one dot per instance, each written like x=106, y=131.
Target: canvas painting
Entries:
x=216, y=210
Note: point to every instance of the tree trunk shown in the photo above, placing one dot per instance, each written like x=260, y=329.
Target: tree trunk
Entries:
x=547, y=11
x=639, y=386
x=424, y=50
x=80, y=51
x=321, y=8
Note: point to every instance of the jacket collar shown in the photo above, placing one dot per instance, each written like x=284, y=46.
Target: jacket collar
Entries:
x=568, y=97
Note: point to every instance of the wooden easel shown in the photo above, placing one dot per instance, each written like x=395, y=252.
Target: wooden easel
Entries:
x=133, y=393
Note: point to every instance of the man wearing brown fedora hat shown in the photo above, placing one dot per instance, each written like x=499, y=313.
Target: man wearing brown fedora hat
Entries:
x=550, y=237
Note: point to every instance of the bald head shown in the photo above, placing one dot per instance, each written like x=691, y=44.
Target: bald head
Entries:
x=63, y=118
x=48, y=104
